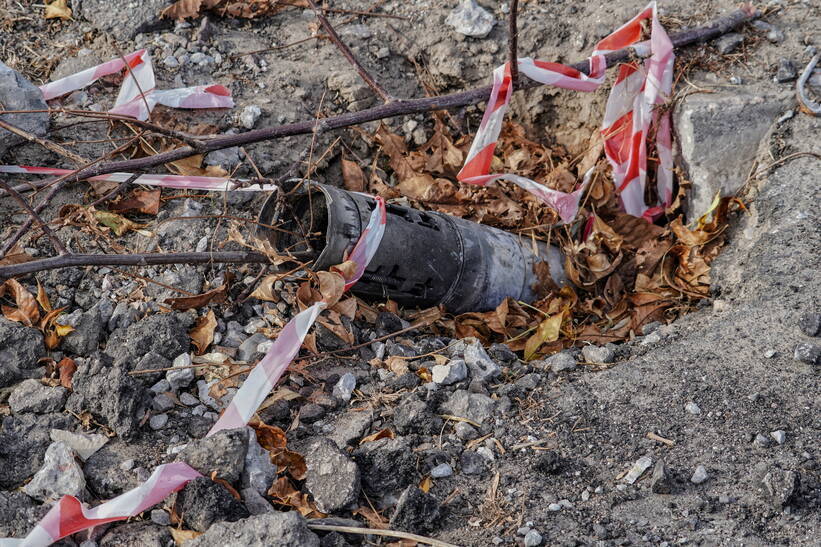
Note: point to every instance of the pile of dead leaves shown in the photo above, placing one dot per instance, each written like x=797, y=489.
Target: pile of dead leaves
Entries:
x=625, y=271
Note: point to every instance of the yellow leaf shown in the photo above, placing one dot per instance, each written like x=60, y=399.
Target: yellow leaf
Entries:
x=118, y=224
x=62, y=330
x=58, y=9
x=42, y=297
x=203, y=332
x=547, y=331
x=426, y=484
x=265, y=289
x=181, y=536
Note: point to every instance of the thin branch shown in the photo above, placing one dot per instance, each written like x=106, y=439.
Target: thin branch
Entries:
x=346, y=51
x=55, y=241
x=45, y=143
x=146, y=259
x=513, y=47
x=379, y=532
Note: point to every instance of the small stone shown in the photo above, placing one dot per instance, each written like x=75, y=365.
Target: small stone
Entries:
x=473, y=406
x=585, y=495
x=183, y=377
x=333, y=478
x=470, y=19
x=523, y=531
x=780, y=436
x=32, y=396
x=449, y=374
x=808, y=353
x=350, y=427
x=311, y=413
x=343, y=389
x=780, y=486
x=158, y=421
x=661, y=482
x=533, y=538
x=162, y=403
x=161, y=386
x=700, y=475
x=441, y=471
x=259, y=472
x=249, y=116
x=638, y=469
x=271, y=529
x=786, y=71
x=560, y=362
x=247, y=351
x=729, y=42
x=203, y=502
x=486, y=453
x=171, y=62
x=472, y=463
x=770, y=353
x=761, y=440
x=127, y=465
x=692, y=408
x=481, y=366
x=810, y=324
x=223, y=452
x=20, y=94
x=59, y=475
x=554, y=507
x=598, y=354
x=158, y=516
x=416, y=511
x=188, y=400
x=465, y=431
x=652, y=338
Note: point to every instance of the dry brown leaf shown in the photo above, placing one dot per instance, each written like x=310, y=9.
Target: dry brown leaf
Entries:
x=57, y=9
x=353, y=179
x=291, y=462
x=217, y=295
x=180, y=536
x=426, y=484
x=66, y=368
x=269, y=437
x=140, y=201
x=332, y=321
x=16, y=256
x=42, y=298
x=265, y=289
x=397, y=365
x=346, y=308
x=118, y=223
x=375, y=520
x=386, y=433
x=331, y=287
x=284, y=493
x=203, y=332
x=27, y=310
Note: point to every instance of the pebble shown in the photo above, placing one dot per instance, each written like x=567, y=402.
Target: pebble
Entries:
x=486, y=453
x=810, y=324
x=554, y=507
x=249, y=116
x=561, y=362
x=188, y=400
x=183, y=377
x=160, y=517
x=652, y=338
x=769, y=354
x=451, y=373
x=786, y=71
x=807, y=353
x=162, y=403
x=533, y=538
x=161, y=386
x=761, y=440
x=780, y=436
x=344, y=387
x=700, y=475
x=692, y=408
x=127, y=465
x=599, y=354
x=729, y=42
x=441, y=471
x=59, y=475
x=171, y=62
x=465, y=431
x=158, y=421
x=470, y=19
x=523, y=531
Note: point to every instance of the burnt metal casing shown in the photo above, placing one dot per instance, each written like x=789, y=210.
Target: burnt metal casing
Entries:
x=425, y=258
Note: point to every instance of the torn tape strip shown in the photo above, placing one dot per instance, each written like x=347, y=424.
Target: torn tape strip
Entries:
x=214, y=184
x=138, y=94
x=634, y=99
x=68, y=515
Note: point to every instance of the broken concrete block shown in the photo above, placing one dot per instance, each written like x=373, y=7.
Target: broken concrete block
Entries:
x=719, y=136
x=17, y=93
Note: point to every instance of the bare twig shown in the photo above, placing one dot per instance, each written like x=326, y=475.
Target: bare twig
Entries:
x=55, y=241
x=45, y=143
x=806, y=104
x=147, y=259
x=379, y=532
x=346, y=51
x=512, y=44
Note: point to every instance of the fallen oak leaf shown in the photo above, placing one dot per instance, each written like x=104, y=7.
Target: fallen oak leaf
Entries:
x=27, y=311
x=203, y=332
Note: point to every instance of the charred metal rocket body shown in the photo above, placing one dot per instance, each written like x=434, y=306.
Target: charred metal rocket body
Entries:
x=425, y=258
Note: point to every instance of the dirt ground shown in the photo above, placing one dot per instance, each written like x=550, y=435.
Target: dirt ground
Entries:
x=732, y=355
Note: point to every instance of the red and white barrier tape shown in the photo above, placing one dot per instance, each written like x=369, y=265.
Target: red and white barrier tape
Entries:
x=214, y=184
x=629, y=108
x=68, y=515
x=138, y=94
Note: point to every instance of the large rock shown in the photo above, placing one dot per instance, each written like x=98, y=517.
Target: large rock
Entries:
x=165, y=335
x=33, y=396
x=59, y=475
x=17, y=93
x=413, y=416
x=20, y=346
x=416, y=512
x=19, y=514
x=473, y=406
x=137, y=534
x=259, y=472
x=88, y=329
x=23, y=442
x=108, y=392
x=333, y=478
x=719, y=135
x=269, y=530
x=387, y=465
x=223, y=452
x=203, y=502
